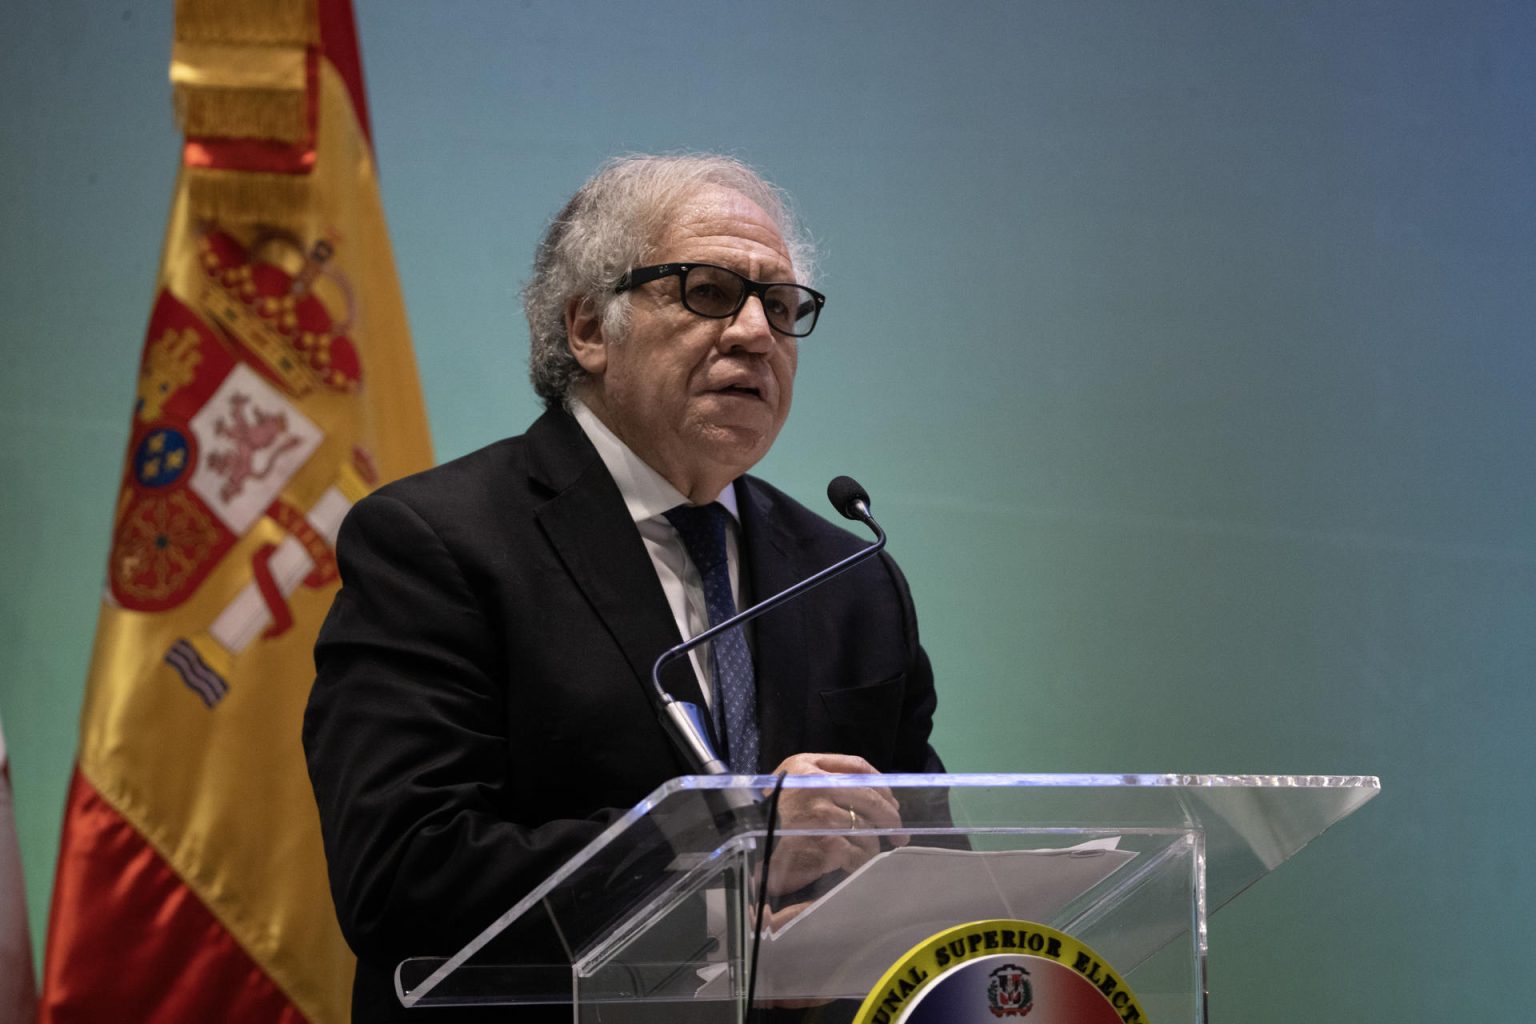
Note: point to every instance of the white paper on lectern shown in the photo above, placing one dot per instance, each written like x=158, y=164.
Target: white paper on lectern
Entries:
x=852, y=935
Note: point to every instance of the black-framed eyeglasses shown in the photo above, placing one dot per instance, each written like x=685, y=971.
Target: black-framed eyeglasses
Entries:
x=719, y=292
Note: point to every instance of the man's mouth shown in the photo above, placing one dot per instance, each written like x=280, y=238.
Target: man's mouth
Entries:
x=740, y=389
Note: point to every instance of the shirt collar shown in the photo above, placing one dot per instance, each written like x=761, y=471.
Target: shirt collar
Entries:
x=647, y=494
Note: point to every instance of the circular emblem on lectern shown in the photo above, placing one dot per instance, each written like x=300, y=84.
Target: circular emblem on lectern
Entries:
x=993, y=972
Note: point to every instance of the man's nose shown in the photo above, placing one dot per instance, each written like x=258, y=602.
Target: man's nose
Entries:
x=749, y=328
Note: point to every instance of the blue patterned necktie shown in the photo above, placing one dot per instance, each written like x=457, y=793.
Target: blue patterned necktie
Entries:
x=702, y=529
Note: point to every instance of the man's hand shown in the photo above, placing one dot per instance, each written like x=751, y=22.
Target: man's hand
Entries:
x=847, y=814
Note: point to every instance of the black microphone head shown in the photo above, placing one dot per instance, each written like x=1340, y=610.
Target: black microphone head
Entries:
x=844, y=493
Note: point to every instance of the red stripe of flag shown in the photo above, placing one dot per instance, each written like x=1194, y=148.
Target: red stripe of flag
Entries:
x=151, y=952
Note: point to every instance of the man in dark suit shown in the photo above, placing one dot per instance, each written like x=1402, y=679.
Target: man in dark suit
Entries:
x=483, y=705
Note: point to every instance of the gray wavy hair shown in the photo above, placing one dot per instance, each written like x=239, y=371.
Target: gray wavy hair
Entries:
x=611, y=226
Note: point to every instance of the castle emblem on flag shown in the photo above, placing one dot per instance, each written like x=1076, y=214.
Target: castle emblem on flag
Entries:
x=170, y=362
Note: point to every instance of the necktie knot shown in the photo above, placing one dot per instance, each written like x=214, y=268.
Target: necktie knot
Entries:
x=702, y=530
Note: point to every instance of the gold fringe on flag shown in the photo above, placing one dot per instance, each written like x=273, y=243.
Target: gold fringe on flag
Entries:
x=251, y=22
x=238, y=68
x=242, y=113
x=241, y=91
x=241, y=198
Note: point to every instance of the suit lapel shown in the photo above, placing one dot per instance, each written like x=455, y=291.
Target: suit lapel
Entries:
x=780, y=659
x=591, y=531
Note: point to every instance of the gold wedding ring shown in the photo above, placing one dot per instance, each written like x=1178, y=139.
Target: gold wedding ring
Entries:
x=853, y=818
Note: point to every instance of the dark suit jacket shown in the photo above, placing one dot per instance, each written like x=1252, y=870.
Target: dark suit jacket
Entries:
x=483, y=708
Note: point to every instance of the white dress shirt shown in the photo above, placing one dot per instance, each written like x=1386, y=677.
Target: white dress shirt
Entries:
x=648, y=496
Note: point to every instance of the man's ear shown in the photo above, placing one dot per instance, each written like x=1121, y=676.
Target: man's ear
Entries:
x=584, y=335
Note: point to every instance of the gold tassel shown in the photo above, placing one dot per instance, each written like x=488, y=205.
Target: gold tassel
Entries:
x=238, y=68
x=276, y=114
x=238, y=198
x=250, y=22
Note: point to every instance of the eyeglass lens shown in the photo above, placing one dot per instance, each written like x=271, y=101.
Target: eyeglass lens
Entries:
x=717, y=292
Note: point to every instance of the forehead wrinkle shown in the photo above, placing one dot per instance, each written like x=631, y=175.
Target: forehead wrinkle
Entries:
x=725, y=227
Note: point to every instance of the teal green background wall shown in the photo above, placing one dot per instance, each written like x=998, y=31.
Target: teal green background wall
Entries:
x=1186, y=347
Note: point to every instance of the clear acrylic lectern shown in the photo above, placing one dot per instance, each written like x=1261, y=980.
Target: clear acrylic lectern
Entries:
x=655, y=919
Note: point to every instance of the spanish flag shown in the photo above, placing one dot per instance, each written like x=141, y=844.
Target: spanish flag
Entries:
x=276, y=388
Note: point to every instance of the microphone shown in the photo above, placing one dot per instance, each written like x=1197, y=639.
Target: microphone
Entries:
x=852, y=501
x=683, y=720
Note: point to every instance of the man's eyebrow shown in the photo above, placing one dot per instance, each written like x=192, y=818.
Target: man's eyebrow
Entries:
x=774, y=273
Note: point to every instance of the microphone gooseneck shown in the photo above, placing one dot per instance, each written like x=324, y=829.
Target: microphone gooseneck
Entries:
x=682, y=720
